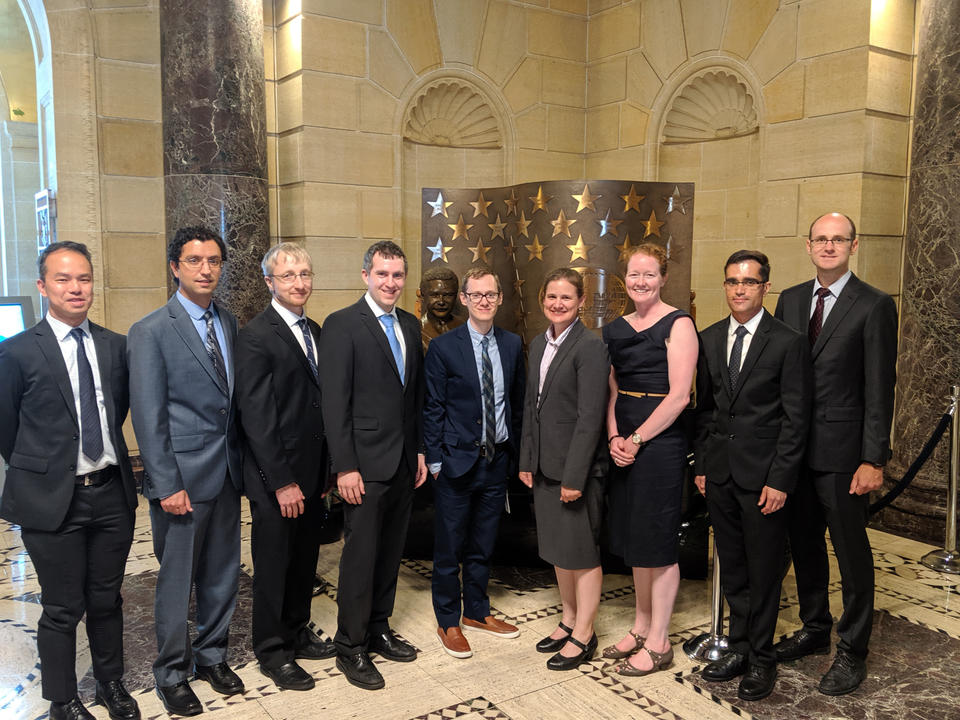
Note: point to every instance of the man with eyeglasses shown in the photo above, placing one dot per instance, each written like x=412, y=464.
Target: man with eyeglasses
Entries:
x=754, y=391
x=181, y=396
x=285, y=466
x=852, y=332
x=471, y=428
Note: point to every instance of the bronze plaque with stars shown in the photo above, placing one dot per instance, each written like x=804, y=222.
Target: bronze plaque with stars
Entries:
x=525, y=231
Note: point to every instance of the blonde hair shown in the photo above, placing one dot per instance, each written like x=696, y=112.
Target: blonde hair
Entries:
x=287, y=249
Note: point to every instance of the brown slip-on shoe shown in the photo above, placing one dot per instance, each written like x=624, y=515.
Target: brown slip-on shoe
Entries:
x=492, y=626
x=454, y=643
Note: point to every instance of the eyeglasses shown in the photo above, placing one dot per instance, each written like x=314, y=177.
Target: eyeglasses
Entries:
x=822, y=241
x=475, y=298
x=288, y=278
x=749, y=283
x=193, y=262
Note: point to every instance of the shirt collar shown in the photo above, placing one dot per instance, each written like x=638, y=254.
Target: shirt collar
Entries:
x=563, y=335
x=61, y=330
x=478, y=336
x=289, y=317
x=750, y=325
x=376, y=309
x=835, y=288
x=194, y=310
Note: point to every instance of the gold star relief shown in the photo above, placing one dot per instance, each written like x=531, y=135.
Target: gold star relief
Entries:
x=540, y=200
x=585, y=199
x=439, y=206
x=522, y=224
x=652, y=225
x=518, y=285
x=632, y=200
x=511, y=202
x=579, y=250
x=536, y=250
x=497, y=228
x=508, y=247
x=479, y=251
x=480, y=206
x=609, y=226
x=460, y=229
x=561, y=224
x=624, y=249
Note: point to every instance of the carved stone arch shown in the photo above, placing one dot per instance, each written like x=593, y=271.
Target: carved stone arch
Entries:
x=451, y=112
x=712, y=105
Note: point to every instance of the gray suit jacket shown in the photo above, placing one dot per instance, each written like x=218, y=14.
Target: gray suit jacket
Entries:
x=184, y=421
x=562, y=428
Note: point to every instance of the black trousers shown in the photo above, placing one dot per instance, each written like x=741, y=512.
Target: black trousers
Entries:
x=80, y=567
x=750, y=546
x=373, y=536
x=824, y=500
x=284, y=566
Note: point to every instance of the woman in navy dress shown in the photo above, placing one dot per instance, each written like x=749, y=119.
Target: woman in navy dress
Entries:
x=653, y=351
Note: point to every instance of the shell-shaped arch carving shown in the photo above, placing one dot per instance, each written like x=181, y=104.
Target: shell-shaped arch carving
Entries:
x=712, y=106
x=450, y=113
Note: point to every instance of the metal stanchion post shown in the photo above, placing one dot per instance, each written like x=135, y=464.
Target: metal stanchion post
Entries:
x=946, y=558
x=712, y=645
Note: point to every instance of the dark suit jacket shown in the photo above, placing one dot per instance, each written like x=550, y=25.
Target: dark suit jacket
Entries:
x=278, y=405
x=184, y=421
x=372, y=419
x=39, y=432
x=453, y=409
x=561, y=432
x=854, y=373
x=756, y=433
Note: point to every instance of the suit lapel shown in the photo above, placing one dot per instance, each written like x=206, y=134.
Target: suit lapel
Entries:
x=50, y=348
x=757, y=344
x=105, y=362
x=718, y=349
x=229, y=323
x=286, y=334
x=801, y=318
x=506, y=366
x=413, y=344
x=379, y=334
x=841, y=307
x=465, y=342
x=183, y=324
x=565, y=348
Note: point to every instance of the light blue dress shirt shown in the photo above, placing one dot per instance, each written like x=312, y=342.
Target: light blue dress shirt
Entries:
x=499, y=404
x=196, y=314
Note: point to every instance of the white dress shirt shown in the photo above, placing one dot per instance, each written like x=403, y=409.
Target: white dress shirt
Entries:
x=751, y=326
x=550, y=351
x=377, y=312
x=828, y=300
x=292, y=320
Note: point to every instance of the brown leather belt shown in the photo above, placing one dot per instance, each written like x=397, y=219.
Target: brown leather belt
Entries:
x=640, y=394
x=98, y=478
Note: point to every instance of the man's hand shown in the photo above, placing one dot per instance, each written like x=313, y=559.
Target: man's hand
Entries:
x=623, y=451
x=701, y=482
x=291, y=499
x=526, y=478
x=421, y=470
x=866, y=479
x=350, y=485
x=177, y=504
x=568, y=495
x=771, y=500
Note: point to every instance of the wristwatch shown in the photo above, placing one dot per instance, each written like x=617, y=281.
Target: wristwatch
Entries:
x=637, y=440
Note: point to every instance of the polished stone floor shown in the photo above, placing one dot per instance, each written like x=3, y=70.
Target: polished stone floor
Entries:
x=911, y=670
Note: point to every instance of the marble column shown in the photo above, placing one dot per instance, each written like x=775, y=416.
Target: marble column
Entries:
x=214, y=135
x=929, y=358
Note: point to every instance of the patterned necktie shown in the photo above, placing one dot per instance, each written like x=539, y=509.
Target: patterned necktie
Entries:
x=489, y=411
x=735, y=352
x=816, y=320
x=214, y=352
x=308, y=341
x=387, y=321
x=90, y=432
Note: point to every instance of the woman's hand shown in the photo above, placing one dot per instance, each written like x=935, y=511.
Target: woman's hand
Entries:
x=526, y=478
x=623, y=451
x=568, y=495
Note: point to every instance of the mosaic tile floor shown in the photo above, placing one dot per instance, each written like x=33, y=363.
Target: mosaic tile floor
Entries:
x=915, y=652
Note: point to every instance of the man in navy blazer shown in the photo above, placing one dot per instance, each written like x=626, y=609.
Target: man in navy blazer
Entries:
x=181, y=396
x=471, y=427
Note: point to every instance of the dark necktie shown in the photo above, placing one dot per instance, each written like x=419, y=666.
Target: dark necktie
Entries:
x=308, y=341
x=735, y=354
x=816, y=320
x=387, y=321
x=90, y=433
x=489, y=411
x=214, y=352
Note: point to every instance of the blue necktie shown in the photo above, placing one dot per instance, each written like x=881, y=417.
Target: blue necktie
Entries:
x=387, y=321
x=489, y=413
x=735, y=352
x=308, y=341
x=91, y=435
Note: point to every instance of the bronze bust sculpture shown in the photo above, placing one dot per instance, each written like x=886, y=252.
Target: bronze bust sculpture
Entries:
x=438, y=301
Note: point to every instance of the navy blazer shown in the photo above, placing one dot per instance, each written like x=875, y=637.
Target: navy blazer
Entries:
x=453, y=408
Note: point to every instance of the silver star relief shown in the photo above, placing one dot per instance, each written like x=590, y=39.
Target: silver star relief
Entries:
x=439, y=205
x=439, y=251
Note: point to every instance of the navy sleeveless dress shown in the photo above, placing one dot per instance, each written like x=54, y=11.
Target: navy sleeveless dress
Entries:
x=644, y=498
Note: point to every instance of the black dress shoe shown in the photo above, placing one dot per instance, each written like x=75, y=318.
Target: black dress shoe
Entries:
x=115, y=698
x=360, y=671
x=72, y=710
x=844, y=676
x=311, y=647
x=289, y=676
x=552, y=645
x=221, y=678
x=726, y=668
x=561, y=662
x=758, y=682
x=802, y=644
x=179, y=699
x=387, y=645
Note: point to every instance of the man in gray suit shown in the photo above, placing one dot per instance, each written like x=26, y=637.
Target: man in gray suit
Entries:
x=181, y=396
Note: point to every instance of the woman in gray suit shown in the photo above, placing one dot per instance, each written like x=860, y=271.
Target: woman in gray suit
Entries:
x=562, y=425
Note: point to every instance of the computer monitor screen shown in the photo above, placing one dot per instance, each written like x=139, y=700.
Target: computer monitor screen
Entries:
x=16, y=315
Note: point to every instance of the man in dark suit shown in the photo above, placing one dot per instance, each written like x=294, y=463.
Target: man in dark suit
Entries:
x=181, y=397
x=754, y=409
x=285, y=466
x=372, y=406
x=852, y=330
x=471, y=428
x=69, y=485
